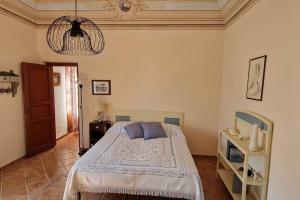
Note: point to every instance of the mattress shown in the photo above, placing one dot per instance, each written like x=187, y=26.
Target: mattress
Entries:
x=156, y=167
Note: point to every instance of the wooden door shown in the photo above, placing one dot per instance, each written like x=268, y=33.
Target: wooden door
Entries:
x=39, y=110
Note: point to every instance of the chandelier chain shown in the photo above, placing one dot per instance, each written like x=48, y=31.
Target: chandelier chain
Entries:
x=76, y=8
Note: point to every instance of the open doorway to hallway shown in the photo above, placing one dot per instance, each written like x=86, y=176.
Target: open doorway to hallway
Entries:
x=66, y=99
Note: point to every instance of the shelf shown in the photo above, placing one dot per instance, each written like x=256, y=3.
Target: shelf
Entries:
x=258, y=161
x=235, y=166
x=227, y=177
x=243, y=146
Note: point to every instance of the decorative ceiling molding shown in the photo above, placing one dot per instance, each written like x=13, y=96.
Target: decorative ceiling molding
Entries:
x=144, y=14
x=222, y=3
x=236, y=8
x=148, y=4
x=67, y=5
x=180, y=5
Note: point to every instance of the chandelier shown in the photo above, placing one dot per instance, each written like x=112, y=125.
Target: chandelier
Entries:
x=74, y=35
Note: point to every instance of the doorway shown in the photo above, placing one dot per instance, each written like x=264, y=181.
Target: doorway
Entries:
x=39, y=84
x=65, y=76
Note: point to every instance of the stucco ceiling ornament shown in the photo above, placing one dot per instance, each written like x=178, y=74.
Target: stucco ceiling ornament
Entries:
x=125, y=9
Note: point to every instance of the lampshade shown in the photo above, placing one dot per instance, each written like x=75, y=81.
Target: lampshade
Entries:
x=79, y=82
x=101, y=107
x=75, y=35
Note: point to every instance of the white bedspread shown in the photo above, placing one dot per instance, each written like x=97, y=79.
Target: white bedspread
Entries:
x=116, y=164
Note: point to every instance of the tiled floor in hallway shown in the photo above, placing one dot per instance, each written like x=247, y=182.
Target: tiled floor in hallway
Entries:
x=43, y=176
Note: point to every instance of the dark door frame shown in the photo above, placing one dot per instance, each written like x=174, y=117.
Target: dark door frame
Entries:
x=64, y=64
x=60, y=64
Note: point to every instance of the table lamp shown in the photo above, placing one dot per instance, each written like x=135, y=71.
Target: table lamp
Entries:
x=101, y=112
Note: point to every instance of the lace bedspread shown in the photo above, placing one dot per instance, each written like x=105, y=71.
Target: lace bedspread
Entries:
x=116, y=164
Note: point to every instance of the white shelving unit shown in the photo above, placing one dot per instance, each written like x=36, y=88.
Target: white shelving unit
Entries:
x=243, y=121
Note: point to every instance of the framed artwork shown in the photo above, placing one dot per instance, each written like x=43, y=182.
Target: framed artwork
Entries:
x=56, y=79
x=101, y=87
x=256, y=78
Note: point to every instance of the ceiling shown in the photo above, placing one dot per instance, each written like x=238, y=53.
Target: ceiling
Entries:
x=146, y=4
x=215, y=14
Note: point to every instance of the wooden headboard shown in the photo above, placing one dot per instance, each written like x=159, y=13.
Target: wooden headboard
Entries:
x=148, y=115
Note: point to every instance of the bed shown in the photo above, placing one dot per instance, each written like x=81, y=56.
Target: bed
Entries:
x=157, y=167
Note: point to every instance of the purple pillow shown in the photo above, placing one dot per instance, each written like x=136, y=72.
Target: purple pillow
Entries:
x=134, y=130
x=153, y=130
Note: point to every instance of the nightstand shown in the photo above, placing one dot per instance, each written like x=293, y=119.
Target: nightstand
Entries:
x=98, y=130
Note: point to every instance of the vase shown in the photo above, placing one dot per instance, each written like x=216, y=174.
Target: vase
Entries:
x=253, y=145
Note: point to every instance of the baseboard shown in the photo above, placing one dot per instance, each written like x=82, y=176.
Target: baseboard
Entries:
x=66, y=134
x=13, y=161
x=204, y=156
x=23, y=156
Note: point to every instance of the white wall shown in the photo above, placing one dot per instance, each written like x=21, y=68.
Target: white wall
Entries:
x=181, y=71
x=150, y=69
x=272, y=28
x=17, y=44
x=171, y=70
x=60, y=96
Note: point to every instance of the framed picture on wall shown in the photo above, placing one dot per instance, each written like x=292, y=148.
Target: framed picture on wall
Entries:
x=256, y=78
x=56, y=79
x=101, y=87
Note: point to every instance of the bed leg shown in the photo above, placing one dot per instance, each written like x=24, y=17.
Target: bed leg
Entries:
x=78, y=196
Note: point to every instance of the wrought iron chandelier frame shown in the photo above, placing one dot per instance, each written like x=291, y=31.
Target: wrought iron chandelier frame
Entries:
x=75, y=35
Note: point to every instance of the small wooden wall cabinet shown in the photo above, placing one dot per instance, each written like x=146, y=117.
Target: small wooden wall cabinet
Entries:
x=258, y=161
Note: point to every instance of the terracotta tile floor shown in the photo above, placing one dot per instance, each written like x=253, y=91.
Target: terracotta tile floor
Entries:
x=43, y=177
